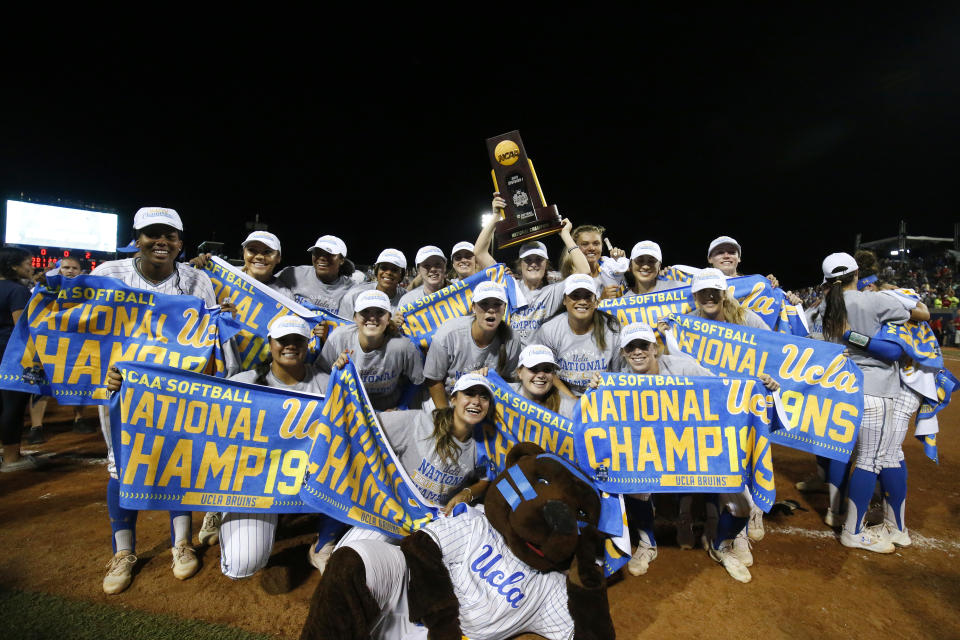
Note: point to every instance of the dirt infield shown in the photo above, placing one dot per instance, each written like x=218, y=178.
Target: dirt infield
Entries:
x=56, y=539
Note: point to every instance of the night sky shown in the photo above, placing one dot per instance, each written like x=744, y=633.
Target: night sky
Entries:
x=791, y=131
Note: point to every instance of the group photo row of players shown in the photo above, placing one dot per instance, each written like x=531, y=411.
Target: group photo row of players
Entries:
x=553, y=335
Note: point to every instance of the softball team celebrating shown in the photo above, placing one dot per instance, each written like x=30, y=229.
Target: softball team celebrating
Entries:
x=550, y=351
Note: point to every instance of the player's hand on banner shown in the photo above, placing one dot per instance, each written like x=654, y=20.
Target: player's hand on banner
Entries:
x=341, y=360
x=114, y=379
x=227, y=306
x=769, y=382
x=201, y=260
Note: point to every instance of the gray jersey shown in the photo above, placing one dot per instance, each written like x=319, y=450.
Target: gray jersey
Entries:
x=303, y=282
x=542, y=303
x=567, y=404
x=867, y=311
x=659, y=285
x=275, y=284
x=348, y=300
x=750, y=319
x=680, y=365
x=454, y=353
x=410, y=433
x=314, y=382
x=384, y=371
x=184, y=279
x=578, y=357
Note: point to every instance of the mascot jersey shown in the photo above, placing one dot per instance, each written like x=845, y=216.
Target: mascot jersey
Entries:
x=500, y=596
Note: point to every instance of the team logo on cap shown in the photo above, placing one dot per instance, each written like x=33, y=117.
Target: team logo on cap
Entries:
x=507, y=152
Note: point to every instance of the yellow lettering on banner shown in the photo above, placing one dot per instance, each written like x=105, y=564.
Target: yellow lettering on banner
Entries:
x=678, y=448
x=196, y=332
x=118, y=354
x=58, y=359
x=705, y=452
x=100, y=315
x=588, y=408
x=733, y=450
x=272, y=473
x=706, y=407
x=840, y=412
x=219, y=419
x=608, y=408
x=196, y=417
x=649, y=452
x=335, y=462
x=138, y=458
x=242, y=425
x=795, y=368
x=216, y=464
x=143, y=411
x=87, y=363
x=588, y=435
x=165, y=402
x=620, y=449
x=126, y=321
x=48, y=315
x=257, y=435
x=352, y=480
x=244, y=470
x=179, y=464
x=691, y=409
x=127, y=392
x=295, y=466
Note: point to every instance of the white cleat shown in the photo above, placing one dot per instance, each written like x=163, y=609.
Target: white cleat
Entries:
x=724, y=555
x=755, y=525
x=869, y=539
x=741, y=549
x=642, y=557
x=119, y=572
x=210, y=530
x=185, y=562
x=833, y=519
x=900, y=538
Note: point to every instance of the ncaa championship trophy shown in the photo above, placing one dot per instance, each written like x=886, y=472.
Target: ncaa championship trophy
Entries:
x=527, y=215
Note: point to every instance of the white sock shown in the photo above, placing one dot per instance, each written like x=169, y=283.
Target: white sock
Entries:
x=124, y=540
x=181, y=529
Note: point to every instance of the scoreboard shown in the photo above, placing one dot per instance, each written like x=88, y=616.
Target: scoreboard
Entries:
x=46, y=257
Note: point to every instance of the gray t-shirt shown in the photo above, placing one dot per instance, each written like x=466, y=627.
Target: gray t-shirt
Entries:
x=275, y=284
x=567, y=404
x=314, y=382
x=542, y=303
x=303, y=282
x=578, y=357
x=659, y=285
x=453, y=353
x=348, y=300
x=410, y=433
x=867, y=311
x=384, y=371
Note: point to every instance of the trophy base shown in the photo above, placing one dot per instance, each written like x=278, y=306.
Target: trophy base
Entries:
x=547, y=223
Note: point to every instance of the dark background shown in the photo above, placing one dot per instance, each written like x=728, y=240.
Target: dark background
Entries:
x=791, y=128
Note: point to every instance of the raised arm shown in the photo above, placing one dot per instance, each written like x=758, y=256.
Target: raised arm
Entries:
x=481, y=248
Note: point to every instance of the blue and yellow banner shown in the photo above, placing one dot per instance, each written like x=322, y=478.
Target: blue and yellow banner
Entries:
x=663, y=434
x=753, y=292
x=520, y=420
x=257, y=307
x=70, y=334
x=354, y=475
x=821, y=389
x=422, y=317
x=185, y=441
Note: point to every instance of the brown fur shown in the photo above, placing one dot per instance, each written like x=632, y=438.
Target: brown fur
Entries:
x=342, y=607
x=431, y=599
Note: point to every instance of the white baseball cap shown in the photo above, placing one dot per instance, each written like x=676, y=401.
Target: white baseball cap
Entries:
x=533, y=248
x=265, y=237
x=462, y=246
x=489, y=289
x=579, y=281
x=371, y=299
x=331, y=244
x=392, y=256
x=833, y=262
x=636, y=331
x=147, y=216
x=535, y=354
x=286, y=325
x=426, y=252
x=716, y=242
x=472, y=380
x=646, y=248
x=709, y=279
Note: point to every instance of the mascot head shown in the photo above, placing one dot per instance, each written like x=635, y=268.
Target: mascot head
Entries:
x=540, y=504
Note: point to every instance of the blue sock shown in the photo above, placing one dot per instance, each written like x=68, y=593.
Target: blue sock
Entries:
x=328, y=530
x=728, y=526
x=893, y=481
x=120, y=519
x=642, y=512
x=838, y=473
x=862, y=483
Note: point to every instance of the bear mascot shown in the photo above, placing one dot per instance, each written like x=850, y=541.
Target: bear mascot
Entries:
x=525, y=563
